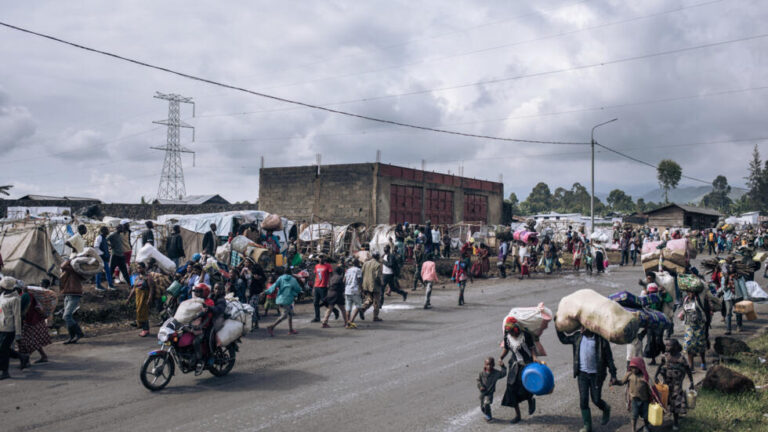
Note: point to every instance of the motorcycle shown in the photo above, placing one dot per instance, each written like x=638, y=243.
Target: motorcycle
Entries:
x=178, y=350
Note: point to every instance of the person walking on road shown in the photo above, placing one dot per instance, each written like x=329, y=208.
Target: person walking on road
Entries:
x=34, y=330
x=429, y=276
x=520, y=345
x=486, y=383
x=592, y=357
x=10, y=322
x=141, y=290
x=287, y=290
x=390, y=270
x=501, y=259
x=674, y=369
x=372, y=274
x=323, y=272
x=71, y=287
x=335, y=296
x=353, y=278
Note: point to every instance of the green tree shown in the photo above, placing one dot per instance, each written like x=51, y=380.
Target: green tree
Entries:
x=539, y=200
x=718, y=199
x=513, y=203
x=620, y=202
x=668, y=174
x=755, y=180
x=143, y=201
x=641, y=206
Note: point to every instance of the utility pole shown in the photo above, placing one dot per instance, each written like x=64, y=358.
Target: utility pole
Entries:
x=172, y=177
x=592, y=199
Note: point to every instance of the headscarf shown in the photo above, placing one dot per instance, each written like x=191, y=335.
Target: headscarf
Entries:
x=510, y=323
x=639, y=363
x=8, y=283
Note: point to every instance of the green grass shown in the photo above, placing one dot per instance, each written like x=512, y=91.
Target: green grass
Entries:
x=744, y=412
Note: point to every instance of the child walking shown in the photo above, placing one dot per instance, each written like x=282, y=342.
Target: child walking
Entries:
x=460, y=276
x=486, y=383
x=270, y=298
x=639, y=392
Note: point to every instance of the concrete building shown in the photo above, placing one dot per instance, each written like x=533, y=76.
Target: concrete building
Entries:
x=376, y=193
x=683, y=216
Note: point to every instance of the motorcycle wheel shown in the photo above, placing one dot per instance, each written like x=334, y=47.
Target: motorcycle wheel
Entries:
x=157, y=371
x=223, y=360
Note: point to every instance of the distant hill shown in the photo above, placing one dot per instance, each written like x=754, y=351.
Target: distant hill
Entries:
x=689, y=194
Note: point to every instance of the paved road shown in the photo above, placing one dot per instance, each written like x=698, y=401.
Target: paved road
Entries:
x=414, y=371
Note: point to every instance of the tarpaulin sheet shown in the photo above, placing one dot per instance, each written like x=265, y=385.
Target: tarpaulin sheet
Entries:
x=28, y=255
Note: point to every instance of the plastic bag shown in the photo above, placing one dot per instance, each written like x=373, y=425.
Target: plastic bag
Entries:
x=163, y=262
x=224, y=253
x=241, y=243
x=533, y=319
x=188, y=310
x=229, y=332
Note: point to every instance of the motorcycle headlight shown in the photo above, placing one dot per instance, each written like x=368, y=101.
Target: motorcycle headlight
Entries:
x=163, y=335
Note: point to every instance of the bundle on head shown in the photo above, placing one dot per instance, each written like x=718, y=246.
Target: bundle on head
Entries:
x=744, y=269
x=710, y=264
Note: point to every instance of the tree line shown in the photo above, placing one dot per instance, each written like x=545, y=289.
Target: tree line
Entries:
x=577, y=199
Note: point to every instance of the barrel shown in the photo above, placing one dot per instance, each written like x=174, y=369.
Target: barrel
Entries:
x=538, y=379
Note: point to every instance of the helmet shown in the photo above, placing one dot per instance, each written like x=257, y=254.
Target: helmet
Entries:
x=202, y=290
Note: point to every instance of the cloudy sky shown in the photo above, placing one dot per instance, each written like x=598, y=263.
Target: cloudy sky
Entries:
x=78, y=123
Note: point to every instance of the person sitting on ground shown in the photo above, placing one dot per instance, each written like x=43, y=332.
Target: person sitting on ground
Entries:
x=486, y=383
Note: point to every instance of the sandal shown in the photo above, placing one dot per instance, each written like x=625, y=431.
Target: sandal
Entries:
x=293, y=332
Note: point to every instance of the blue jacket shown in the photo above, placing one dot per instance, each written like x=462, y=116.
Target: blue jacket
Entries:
x=287, y=290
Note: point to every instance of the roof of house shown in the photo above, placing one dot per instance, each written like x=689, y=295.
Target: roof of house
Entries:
x=687, y=208
x=54, y=198
x=192, y=200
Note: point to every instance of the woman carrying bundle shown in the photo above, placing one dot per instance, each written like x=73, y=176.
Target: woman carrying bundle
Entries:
x=520, y=344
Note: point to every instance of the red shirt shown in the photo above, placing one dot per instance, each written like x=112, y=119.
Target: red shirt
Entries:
x=323, y=275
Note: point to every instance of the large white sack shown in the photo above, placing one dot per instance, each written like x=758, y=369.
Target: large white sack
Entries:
x=599, y=236
x=188, y=310
x=229, y=332
x=756, y=294
x=534, y=319
x=224, y=253
x=597, y=313
x=163, y=262
x=666, y=281
x=241, y=243
x=88, y=262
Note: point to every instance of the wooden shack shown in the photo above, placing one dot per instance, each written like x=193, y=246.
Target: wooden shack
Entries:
x=683, y=216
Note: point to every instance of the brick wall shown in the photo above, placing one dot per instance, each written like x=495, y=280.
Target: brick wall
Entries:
x=130, y=211
x=340, y=193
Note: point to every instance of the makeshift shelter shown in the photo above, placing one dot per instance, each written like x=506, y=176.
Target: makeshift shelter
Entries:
x=28, y=254
x=226, y=222
x=331, y=239
x=382, y=235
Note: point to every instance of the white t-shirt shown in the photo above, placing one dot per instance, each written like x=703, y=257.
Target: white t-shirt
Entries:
x=352, y=280
x=435, y=236
x=385, y=269
x=523, y=251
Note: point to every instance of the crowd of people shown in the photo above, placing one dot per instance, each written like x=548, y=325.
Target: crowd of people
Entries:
x=357, y=283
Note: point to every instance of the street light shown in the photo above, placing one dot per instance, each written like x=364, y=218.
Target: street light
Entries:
x=592, y=200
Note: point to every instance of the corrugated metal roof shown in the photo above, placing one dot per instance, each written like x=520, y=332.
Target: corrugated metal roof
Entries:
x=689, y=209
x=54, y=198
x=190, y=199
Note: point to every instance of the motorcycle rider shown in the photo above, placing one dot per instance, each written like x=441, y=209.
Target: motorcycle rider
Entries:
x=213, y=308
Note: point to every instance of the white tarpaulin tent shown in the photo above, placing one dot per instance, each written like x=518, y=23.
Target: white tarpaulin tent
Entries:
x=22, y=212
x=382, y=236
x=28, y=254
x=225, y=222
x=322, y=231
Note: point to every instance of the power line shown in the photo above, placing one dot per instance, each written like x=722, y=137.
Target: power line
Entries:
x=281, y=99
x=498, y=47
x=646, y=163
x=453, y=32
x=557, y=71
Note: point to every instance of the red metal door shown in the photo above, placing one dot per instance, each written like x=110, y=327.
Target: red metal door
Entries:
x=439, y=207
x=475, y=208
x=404, y=204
